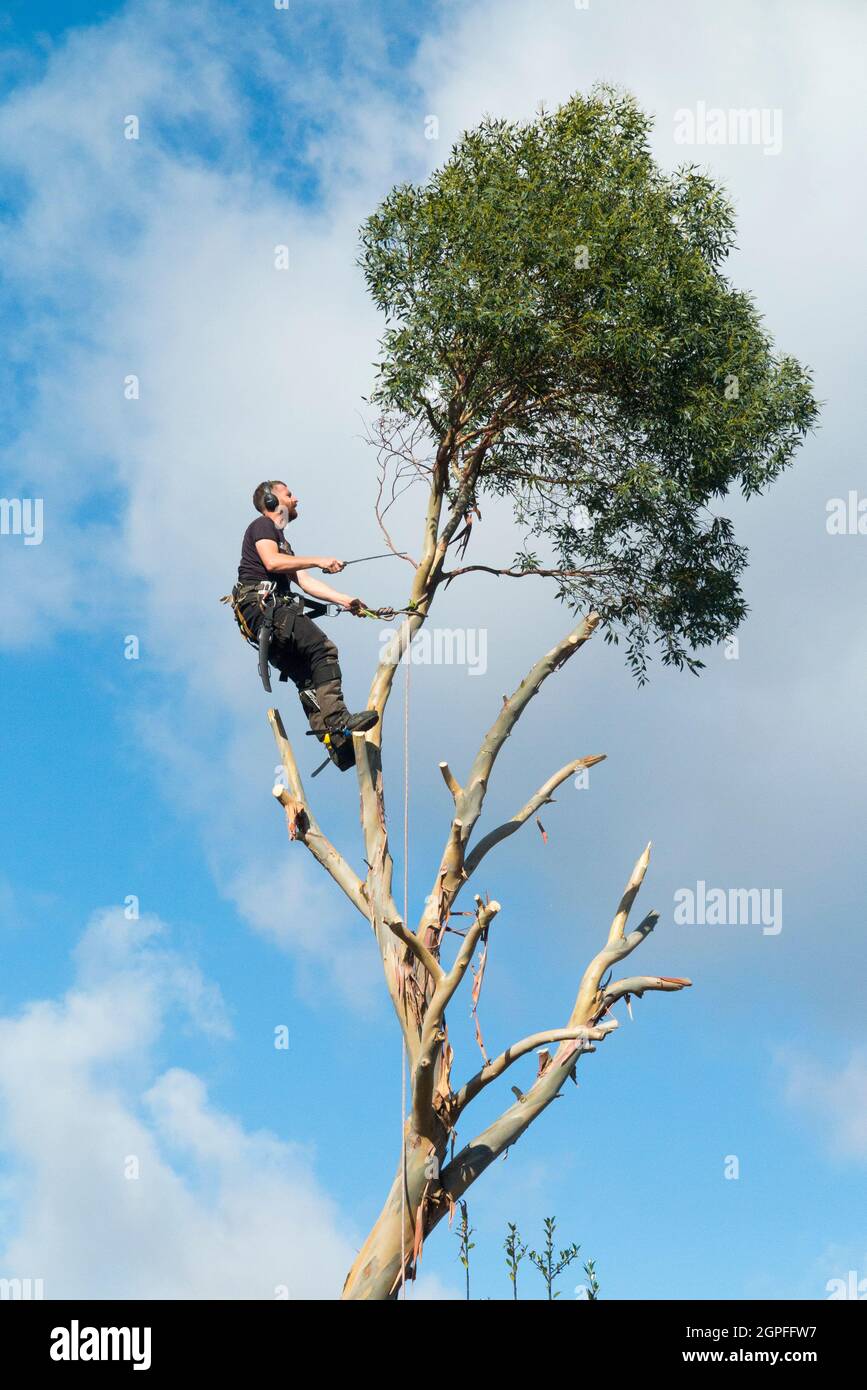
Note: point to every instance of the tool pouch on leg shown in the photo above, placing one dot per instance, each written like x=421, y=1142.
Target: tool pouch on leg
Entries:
x=310, y=706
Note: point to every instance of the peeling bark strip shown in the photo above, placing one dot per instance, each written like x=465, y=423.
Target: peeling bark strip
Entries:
x=421, y=986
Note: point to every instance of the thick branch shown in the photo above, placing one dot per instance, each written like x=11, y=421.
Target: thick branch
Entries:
x=385, y=918
x=450, y=877
x=592, y=1001
x=407, y=992
x=308, y=830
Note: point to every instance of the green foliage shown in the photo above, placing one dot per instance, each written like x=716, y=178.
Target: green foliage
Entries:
x=465, y=1230
x=549, y=1265
x=515, y=1250
x=557, y=315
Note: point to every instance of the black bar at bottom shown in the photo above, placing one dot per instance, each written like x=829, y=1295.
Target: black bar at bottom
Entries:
x=219, y=1338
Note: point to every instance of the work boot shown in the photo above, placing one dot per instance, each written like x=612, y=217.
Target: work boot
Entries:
x=326, y=711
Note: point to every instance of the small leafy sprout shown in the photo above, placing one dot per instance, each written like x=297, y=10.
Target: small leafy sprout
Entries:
x=549, y=1265
x=515, y=1251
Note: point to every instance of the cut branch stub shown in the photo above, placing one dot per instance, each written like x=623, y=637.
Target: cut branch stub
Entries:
x=451, y=781
x=296, y=815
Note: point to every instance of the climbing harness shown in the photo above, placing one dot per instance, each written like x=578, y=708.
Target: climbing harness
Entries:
x=268, y=600
x=337, y=742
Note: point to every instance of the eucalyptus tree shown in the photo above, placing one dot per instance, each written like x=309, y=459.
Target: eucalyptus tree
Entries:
x=559, y=332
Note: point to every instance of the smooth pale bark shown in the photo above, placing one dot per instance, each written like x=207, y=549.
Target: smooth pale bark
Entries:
x=375, y=1274
x=421, y=986
x=433, y=1187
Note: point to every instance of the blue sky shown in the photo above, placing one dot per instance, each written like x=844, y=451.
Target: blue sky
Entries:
x=153, y=1037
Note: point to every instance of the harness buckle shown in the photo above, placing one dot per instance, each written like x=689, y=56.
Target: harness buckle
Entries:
x=266, y=593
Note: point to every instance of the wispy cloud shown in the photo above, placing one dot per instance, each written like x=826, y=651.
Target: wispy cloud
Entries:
x=331, y=943
x=130, y=1182
x=833, y=1098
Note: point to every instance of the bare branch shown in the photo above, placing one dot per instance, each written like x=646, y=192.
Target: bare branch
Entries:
x=513, y=707
x=418, y=948
x=433, y=1029
x=420, y=598
x=450, y=780
x=485, y=914
x=436, y=1107
x=449, y=575
x=637, y=984
x=428, y=574
x=495, y=1068
x=469, y=801
x=636, y=879
x=396, y=441
x=540, y=798
x=591, y=1003
x=588, y=1003
x=308, y=830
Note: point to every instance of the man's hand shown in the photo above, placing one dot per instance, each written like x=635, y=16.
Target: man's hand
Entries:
x=329, y=565
x=357, y=607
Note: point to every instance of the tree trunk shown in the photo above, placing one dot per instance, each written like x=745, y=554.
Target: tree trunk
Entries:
x=375, y=1275
x=422, y=987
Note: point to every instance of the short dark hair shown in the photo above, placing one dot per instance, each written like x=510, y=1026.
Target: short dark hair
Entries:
x=259, y=494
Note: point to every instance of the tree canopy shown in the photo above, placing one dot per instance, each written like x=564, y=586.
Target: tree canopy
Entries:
x=558, y=319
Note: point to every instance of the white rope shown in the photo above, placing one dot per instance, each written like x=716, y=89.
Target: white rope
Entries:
x=405, y=919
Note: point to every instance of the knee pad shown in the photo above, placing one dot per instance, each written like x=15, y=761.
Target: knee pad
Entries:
x=325, y=670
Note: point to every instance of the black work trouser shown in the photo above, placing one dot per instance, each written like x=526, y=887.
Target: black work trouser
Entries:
x=299, y=649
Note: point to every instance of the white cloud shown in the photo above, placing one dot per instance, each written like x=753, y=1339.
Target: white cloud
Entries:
x=150, y=262
x=431, y=1288
x=215, y=1212
x=297, y=907
x=245, y=369
x=835, y=1099
x=146, y=261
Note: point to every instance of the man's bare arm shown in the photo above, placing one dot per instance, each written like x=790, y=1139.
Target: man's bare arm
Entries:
x=316, y=589
x=277, y=563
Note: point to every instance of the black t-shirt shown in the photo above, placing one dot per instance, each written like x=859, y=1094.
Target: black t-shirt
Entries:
x=251, y=570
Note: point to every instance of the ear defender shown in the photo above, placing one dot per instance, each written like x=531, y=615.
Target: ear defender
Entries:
x=270, y=502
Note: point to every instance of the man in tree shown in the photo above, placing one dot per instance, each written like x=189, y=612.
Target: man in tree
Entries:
x=559, y=333
x=299, y=649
